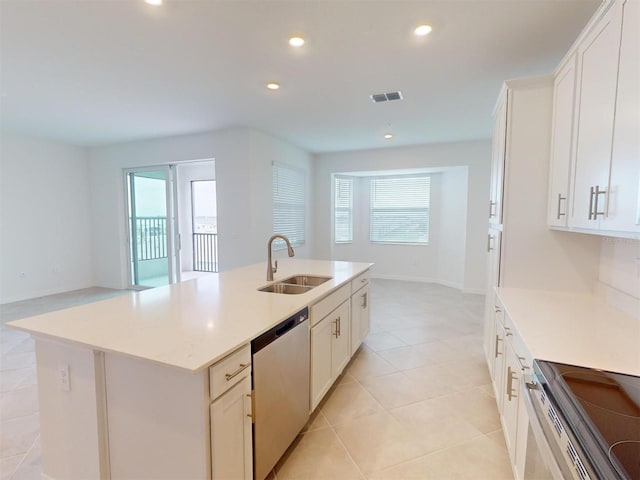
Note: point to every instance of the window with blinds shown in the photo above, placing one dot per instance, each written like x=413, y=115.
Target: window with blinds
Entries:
x=343, y=210
x=399, y=209
x=288, y=204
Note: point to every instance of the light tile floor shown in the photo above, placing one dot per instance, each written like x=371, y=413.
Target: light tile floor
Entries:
x=19, y=421
x=415, y=402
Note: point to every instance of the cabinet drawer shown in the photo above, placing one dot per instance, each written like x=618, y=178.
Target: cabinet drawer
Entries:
x=360, y=281
x=328, y=304
x=229, y=371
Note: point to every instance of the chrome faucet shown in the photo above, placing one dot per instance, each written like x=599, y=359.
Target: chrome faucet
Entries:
x=270, y=269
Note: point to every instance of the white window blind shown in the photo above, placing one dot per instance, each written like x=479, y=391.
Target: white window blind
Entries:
x=399, y=209
x=343, y=209
x=288, y=204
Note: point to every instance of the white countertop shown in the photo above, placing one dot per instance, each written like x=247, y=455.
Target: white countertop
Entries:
x=577, y=329
x=194, y=323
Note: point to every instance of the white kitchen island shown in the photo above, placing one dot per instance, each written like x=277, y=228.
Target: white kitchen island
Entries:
x=124, y=384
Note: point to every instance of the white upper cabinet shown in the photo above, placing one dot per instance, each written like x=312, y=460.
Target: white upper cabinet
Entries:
x=605, y=176
x=564, y=89
x=498, y=160
x=623, y=207
x=598, y=56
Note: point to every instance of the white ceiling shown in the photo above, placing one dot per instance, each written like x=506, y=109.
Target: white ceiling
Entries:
x=96, y=72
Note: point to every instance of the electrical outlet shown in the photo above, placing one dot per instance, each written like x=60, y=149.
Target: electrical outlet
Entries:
x=63, y=378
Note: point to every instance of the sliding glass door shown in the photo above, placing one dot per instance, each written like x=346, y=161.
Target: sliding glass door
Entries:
x=153, y=259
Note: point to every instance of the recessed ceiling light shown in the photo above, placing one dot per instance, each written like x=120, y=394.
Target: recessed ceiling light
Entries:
x=273, y=85
x=388, y=136
x=423, y=30
x=153, y=2
x=296, y=41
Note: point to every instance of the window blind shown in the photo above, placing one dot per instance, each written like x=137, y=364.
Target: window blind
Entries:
x=399, y=209
x=288, y=204
x=343, y=209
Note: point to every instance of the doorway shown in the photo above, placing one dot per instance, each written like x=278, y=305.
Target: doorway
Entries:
x=151, y=201
x=204, y=226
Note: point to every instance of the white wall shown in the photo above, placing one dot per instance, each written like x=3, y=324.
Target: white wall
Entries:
x=400, y=261
x=45, y=218
x=452, y=227
x=243, y=172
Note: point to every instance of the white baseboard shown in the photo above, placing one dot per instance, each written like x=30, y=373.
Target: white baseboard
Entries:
x=474, y=291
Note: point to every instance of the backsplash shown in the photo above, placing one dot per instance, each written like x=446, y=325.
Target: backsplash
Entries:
x=620, y=273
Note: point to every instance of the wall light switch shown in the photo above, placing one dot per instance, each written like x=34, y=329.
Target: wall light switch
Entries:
x=63, y=378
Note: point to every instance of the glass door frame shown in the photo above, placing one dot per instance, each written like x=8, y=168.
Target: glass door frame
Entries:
x=173, y=241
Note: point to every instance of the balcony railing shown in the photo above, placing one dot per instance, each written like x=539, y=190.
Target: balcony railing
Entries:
x=151, y=243
x=205, y=252
x=151, y=237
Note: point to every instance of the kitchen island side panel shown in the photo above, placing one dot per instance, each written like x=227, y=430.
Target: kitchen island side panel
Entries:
x=158, y=420
x=72, y=413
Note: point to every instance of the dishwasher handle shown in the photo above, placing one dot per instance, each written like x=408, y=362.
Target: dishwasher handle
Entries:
x=279, y=330
x=284, y=328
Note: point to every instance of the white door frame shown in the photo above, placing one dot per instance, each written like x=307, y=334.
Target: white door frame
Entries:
x=171, y=195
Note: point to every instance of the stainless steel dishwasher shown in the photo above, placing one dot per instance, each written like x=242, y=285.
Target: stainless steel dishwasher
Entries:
x=281, y=389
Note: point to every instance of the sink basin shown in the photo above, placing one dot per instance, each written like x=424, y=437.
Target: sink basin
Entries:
x=295, y=284
x=287, y=288
x=310, y=280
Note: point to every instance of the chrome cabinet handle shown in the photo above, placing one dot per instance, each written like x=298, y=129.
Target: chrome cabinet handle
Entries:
x=491, y=205
x=229, y=376
x=597, y=192
x=335, y=333
x=497, y=309
x=560, y=198
x=507, y=332
x=363, y=304
x=510, y=379
x=594, y=194
x=521, y=360
x=498, y=339
x=489, y=240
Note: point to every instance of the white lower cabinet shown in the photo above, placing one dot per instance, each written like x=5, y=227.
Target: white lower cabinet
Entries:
x=330, y=351
x=510, y=400
x=231, y=429
x=360, y=317
x=511, y=361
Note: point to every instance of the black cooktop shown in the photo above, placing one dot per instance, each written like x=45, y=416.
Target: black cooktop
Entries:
x=603, y=412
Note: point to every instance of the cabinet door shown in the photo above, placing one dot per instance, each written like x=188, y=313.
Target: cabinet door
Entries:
x=365, y=312
x=511, y=394
x=356, y=315
x=499, y=364
x=561, y=143
x=493, y=347
x=597, y=80
x=360, y=319
x=341, y=342
x=321, y=372
x=231, y=442
x=494, y=244
x=623, y=207
x=497, y=160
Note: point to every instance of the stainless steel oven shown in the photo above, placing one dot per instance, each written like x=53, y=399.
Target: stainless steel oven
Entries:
x=584, y=423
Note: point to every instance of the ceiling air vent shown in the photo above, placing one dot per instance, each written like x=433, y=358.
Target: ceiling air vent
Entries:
x=385, y=97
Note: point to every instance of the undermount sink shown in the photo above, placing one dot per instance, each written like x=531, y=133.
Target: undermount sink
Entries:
x=285, y=288
x=310, y=280
x=295, y=285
